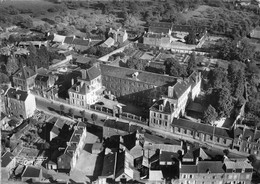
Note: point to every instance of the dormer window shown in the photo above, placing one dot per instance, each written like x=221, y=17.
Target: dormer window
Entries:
x=161, y=107
x=77, y=89
x=249, y=138
x=258, y=140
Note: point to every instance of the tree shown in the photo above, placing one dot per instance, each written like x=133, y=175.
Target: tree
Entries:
x=94, y=117
x=11, y=65
x=174, y=68
x=226, y=152
x=62, y=108
x=4, y=78
x=224, y=104
x=192, y=65
x=71, y=112
x=218, y=78
x=83, y=115
x=191, y=38
x=210, y=115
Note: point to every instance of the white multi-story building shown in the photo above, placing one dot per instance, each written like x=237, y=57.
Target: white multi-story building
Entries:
x=173, y=105
x=20, y=103
x=88, y=89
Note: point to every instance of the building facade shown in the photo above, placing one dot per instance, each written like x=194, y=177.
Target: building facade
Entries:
x=24, y=78
x=174, y=103
x=216, y=172
x=134, y=85
x=20, y=103
x=88, y=89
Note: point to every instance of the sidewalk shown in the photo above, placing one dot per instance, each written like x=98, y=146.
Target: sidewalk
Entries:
x=103, y=116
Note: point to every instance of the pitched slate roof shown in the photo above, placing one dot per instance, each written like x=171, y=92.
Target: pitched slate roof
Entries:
x=180, y=88
x=93, y=73
x=12, y=93
x=116, y=125
x=200, y=153
x=108, y=164
x=24, y=73
x=6, y=159
x=146, y=77
x=204, y=167
x=238, y=165
x=31, y=172
x=81, y=42
x=199, y=127
x=181, y=28
x=160, y=27
x=68, y=40
x=166, y=106
x=42, y=78
x=166, y=156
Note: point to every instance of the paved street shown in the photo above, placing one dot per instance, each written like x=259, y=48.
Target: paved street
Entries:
x=45, y=105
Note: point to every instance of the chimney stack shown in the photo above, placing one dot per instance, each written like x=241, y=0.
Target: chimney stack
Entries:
x=18, y=96
x=84, y=74
x=170, y=91
x=72, y=82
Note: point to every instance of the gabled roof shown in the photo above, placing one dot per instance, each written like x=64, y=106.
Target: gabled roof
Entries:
x=42, y=78
x=81, y=42
x=93, y=73
x=6, y=159
x=160, y=27
x=31, y=172
x=12, y=93
x=200, y=153
x=180, y=88
x=109, y=42
x=166, y=156
x=108, y=164
x=116, y=125
x=200, y=127
x=145, y=77
x=203, y=167
x=238, y=165
x=68, y=40
x=24, y=73
x=166, y=106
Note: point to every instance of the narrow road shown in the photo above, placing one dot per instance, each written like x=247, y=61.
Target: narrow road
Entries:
x=48, y=106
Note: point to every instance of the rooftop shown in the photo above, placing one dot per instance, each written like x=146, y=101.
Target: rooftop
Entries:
x=15, y=94
x=146, y=77
x=31, y=172
x=203, y=167
x=6, y=159
x=221, y=132
x=24, y=73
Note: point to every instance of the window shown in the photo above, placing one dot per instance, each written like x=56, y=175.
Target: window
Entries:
x=165, y=117
x=191, y=176
x=154, y=121
x=160, y=122
x=165, y=123
x=184, y=176
x=160, y=115
x=224, y=141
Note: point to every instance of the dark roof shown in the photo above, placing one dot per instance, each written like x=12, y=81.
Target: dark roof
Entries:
x=12, y=93
x=208, y=129
x=160, y=27
x=81, y=42
x=189, y=154
x=166, y=106
x=24, y=73
x=31, y=172
x=179, y=88
x=146, y=77
x=168, y=156
x=116, y=125
x=64, y=161
x=6, y=159
x=108, y=164
x=68, y=40
x=212, y=166
x=204, y=167
x=181, y=28
x=55, y=130
x=93, y=73
x=246, y=133
x=42, y=78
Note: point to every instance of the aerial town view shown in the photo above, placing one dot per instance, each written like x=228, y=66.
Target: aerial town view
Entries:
x=130, y=91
